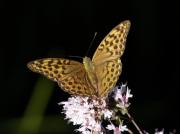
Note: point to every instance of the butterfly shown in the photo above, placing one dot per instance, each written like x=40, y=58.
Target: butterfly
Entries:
x=94, y=77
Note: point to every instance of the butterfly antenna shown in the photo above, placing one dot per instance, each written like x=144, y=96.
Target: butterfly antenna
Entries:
x=75, y=57
x=91, y=43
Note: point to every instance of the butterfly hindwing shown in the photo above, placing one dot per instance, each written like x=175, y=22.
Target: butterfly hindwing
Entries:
x=77, y=84
x=108, y=74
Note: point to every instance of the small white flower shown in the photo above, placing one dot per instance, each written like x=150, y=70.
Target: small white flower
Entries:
x=159, y=132
x=83, y=130
x=110, y=127
x=107, y=114
x=122, y=93
x=122, y=96
x=121, y=127
x=128, y=94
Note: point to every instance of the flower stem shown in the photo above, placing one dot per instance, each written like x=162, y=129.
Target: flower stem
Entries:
x=130, y=132
x=134, y=123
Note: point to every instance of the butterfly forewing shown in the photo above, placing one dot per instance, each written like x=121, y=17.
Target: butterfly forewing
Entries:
x=69, y=74
x=107, y=57
x=113, y=45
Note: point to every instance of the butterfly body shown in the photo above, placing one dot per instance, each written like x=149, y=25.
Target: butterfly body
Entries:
x=94, y=77
x=91, y=72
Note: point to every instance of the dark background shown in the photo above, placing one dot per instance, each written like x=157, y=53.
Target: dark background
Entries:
x=63, y=28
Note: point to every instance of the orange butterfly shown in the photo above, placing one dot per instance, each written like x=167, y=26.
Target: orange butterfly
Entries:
x=94, y=77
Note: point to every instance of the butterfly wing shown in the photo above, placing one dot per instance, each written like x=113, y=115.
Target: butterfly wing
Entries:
x=70, y=75
x=107, y=57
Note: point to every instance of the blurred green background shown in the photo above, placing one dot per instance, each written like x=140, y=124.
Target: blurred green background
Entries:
x=64, y=28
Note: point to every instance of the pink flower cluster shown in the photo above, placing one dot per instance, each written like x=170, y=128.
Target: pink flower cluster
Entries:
x=101, y=115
